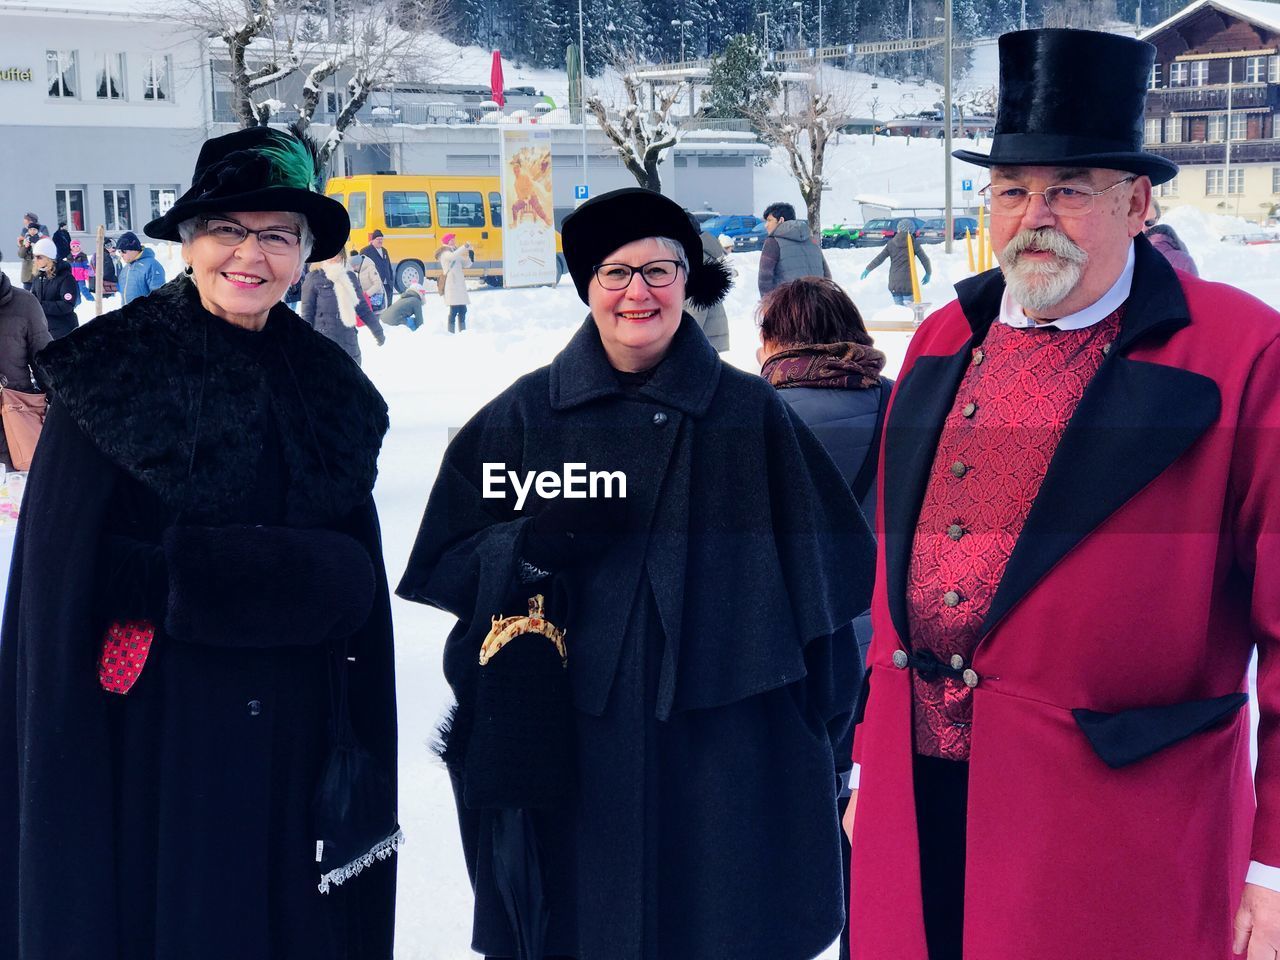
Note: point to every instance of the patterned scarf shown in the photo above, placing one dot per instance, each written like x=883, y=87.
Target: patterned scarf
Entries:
x=840, y=366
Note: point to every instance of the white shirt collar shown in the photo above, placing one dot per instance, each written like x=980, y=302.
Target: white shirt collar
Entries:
x=1012, y=315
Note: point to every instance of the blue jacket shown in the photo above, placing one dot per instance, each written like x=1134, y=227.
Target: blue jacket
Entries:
x=139, y=278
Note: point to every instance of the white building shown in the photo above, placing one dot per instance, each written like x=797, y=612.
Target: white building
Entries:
x=103, y=107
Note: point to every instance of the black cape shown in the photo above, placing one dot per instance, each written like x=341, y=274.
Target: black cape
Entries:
x=710, y=663
x=132, y=394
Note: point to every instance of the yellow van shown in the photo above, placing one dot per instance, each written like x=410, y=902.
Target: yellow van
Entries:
x=414, y=212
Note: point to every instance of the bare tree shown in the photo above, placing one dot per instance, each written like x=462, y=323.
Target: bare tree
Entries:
x=639, y=134
x=376, y=43
x=803, y=136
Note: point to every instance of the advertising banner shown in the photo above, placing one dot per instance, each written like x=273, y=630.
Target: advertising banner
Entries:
x=528, y=226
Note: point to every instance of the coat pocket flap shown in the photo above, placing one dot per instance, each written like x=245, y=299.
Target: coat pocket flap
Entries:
x=1132, y=735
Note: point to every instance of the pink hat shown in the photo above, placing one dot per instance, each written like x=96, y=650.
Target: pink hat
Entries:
x=75, y=244
x=449, y=238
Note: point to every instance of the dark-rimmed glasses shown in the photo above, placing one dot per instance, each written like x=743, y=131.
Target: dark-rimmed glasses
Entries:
x=655, y=273
x=232, y=233
x=1065, y=200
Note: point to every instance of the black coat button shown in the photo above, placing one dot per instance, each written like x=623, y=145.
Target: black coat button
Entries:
x=659, y=419
x=255, y=707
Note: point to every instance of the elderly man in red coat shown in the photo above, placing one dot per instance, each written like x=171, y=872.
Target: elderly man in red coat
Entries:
x=1080, y=552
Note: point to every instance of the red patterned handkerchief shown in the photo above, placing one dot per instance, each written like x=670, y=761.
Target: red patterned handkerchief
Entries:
x=124, y=651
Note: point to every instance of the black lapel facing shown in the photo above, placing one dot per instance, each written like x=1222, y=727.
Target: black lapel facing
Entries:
x=1134, y=420
x=913, y=428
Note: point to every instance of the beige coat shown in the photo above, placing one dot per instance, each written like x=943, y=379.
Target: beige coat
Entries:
x=370, y=281
x=453, y=263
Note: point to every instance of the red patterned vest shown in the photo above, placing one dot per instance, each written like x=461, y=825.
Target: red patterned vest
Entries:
x=1013, y=404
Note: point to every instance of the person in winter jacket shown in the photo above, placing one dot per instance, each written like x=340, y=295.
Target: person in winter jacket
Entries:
x=370, y=280
x=62, y=240
x=454, y=261
x=407, y=309
x=82, y=270
x=700, y=723
x=1166, y=240
x=382, y=260
x=24, y=332
x=790, y=252
x=199, y=528
x=334, y=304
x=900, y=264
x=142, y=272
x=55, y=288
x=26, y=240
x=110, y=273
x=713, y=320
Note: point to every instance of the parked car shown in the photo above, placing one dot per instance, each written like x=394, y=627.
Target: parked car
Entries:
x=934, y=231
x=702, y=216
x=878, y=232
x=751, y=241
x=841, y=235
x=733, y=225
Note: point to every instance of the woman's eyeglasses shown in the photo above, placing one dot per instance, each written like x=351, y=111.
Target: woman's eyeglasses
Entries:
x=229, y=233
x=1066, y=200
x=655, y=273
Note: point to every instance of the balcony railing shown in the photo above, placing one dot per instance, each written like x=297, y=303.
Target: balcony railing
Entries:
x=1167, y=100
x=1242, y=151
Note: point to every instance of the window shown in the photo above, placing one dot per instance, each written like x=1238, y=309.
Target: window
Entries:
x=1199, y=73
x=1217, y=128
x=1177, y=74
x=406, y=208
x=63, y=81
x=1173, y=130
x=1235, y=181
x=460, y=209
x=1273, y=69
x=109, y=76
x=162, y=200
x=1153, y=81
x=1169, y=189
x=1255, y=70
x=495, y=208
x=119, y=215
x=337, y=196
x=356, y=209
x=70, y=207
x=333, y=103
x=1152, y=133
x=1275, y=179
x=1213, y=183
x=156, y=79
x=1239, y=126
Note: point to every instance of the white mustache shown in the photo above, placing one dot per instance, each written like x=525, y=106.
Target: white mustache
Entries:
x=1045, y=238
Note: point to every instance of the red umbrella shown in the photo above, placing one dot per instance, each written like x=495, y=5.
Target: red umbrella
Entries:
x=495, y=79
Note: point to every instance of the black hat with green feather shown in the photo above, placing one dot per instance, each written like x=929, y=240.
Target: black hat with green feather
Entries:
x=259, y=169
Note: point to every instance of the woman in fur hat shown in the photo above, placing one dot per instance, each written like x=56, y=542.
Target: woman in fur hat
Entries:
x=195, y=668
x=704, y=558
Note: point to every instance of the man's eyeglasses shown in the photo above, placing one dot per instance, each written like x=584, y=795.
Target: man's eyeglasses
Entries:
x=230, y=233
x=655, y=273
x=1065, y=200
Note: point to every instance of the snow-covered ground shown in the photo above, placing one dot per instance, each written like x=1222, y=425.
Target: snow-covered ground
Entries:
x=434, y=381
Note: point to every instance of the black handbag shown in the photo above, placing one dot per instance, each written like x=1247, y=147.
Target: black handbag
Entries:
x=354, y=809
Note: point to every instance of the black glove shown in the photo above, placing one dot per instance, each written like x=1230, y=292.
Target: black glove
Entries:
x=567, y=532
x=379, y=337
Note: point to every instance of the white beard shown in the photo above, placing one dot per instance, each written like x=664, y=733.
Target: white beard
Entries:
x=1040, y=286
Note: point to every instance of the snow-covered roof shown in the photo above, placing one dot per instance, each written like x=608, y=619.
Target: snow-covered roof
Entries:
x=90, y=9
x=1260, y=12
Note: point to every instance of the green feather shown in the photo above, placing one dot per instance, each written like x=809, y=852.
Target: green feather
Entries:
x=293, y=161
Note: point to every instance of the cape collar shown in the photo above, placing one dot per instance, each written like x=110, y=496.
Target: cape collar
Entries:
x=174, y=396
x=686, y=379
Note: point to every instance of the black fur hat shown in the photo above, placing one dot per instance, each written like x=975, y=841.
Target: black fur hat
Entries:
x=1072, y=98
x=614, y=219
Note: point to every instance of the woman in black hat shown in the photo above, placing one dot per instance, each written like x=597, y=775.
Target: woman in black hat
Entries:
x=196, y=664
x=704, y=559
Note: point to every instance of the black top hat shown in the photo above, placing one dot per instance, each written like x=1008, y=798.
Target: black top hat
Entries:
x=1072, y=98
x=614, y=219
x=259, y=169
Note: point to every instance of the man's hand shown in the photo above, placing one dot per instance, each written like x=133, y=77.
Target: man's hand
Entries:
x=849, y=811
x=1258, y=924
